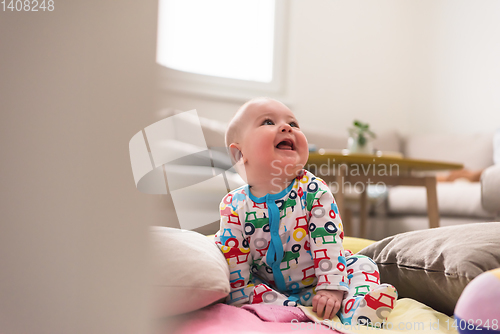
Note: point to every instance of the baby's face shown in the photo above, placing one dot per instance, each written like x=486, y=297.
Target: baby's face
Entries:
x=271, y=141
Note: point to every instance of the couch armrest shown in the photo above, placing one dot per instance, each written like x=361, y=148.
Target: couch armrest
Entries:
x=490, y=189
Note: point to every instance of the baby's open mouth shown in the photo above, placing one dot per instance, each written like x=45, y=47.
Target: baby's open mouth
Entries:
x=286, y=144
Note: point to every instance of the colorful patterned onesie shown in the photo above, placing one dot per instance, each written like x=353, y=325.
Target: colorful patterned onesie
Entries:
x=292, y=242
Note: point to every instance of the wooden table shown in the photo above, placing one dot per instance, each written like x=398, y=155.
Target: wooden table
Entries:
x=340, y=168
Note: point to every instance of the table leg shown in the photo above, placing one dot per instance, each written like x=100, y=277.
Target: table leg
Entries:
x=363, y=214
x=432, y=201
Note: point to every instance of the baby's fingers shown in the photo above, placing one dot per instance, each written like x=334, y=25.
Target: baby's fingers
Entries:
x=315, y=302
x=332, y=307
x=320, y=303
x=330, y=304
x=338, y=305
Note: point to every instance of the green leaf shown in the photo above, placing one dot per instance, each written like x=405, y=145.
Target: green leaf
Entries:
x=371, y=134
x=362, y=130
x=361, y=140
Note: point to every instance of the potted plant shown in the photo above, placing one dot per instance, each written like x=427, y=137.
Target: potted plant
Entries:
x=360, y=138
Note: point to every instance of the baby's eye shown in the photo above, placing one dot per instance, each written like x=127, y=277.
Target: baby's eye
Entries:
x=268, y=122
x=294, y=125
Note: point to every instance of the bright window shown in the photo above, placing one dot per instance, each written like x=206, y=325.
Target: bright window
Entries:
x=239, y=41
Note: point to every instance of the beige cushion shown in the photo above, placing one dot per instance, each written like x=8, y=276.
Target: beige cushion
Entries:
x=324, y=139
x=433, y=266
x=490, y=189
x=459, y=198
x=213, y=130
x=388, y=141
x=188, y=271
x=385, y=141
x=475, y=151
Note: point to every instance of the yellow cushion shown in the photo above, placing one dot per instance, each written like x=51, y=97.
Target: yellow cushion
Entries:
x=356, y=244
x=408, y=316
x=350, y=243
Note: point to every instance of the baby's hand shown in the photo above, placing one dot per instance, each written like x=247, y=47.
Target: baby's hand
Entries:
x=328, y=301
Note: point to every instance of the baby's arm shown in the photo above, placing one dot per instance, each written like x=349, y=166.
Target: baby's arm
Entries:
x=326, y=233
x=235, y=249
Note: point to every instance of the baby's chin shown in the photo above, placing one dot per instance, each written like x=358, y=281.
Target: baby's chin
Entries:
x=287, y=158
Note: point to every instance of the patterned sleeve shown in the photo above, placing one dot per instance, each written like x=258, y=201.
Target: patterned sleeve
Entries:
x=234, y=246
x=326, y=233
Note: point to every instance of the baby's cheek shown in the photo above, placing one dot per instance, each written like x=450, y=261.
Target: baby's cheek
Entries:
x=304, y=154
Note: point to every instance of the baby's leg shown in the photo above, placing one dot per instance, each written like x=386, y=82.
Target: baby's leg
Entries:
x=368, y=301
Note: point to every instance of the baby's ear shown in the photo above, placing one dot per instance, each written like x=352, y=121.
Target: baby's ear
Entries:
x=235, y=152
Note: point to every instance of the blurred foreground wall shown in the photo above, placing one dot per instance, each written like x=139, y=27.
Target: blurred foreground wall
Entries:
x=75, y=85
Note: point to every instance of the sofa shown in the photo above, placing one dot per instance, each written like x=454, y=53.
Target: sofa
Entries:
x=399, y=208
x=462, y=197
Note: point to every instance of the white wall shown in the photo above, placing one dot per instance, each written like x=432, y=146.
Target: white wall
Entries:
x=418, y=66
x=458, y=91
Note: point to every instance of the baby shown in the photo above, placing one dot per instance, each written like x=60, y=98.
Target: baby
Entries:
x=282, y=234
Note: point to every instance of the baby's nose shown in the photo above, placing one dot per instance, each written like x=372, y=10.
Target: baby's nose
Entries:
x=286, y=128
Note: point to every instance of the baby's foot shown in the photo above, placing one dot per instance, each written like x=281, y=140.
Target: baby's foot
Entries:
x=375, y=306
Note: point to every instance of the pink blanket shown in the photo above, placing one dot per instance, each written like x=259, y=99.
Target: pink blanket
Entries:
x=259, y=318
